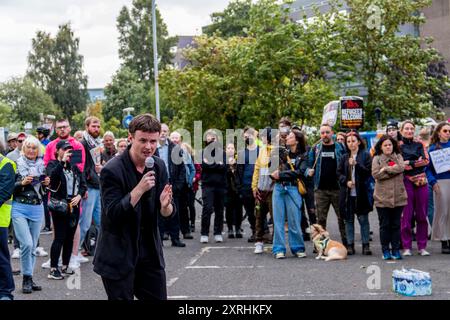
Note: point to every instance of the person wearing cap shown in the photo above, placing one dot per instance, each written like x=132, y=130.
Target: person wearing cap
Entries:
x=15, y=154
x=42, y=134
x=7, y=181
x=262, y=188
x=67, y=183
x=392, y=130
x=12, y=142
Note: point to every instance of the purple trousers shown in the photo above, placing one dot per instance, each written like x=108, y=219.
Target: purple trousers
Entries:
x=417, y=206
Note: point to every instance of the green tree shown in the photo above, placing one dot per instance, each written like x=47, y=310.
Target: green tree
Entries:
x=233, y=21
x=126, y=90
x=440, y=88
x=55, y=65
x=257, y=79
x=5, y=111
x=26, y=102
x=391, y=66
x=136, y=40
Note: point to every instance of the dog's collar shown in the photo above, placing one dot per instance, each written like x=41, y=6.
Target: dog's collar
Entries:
x=324, y=242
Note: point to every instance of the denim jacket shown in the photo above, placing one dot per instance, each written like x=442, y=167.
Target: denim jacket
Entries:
x=316, y=152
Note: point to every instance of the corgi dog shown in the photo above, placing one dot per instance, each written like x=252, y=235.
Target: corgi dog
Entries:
x=327, y=249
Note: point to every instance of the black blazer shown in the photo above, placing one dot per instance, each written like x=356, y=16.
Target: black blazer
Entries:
x=177, y=171
x=117, y=250
x=58, y=180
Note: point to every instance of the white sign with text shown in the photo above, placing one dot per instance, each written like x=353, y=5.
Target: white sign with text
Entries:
x=441, y=160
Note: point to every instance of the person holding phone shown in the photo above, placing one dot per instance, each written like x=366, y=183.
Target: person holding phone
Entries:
x=68, y=184
x=129, y=255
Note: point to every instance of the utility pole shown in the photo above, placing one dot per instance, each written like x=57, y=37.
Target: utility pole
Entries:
x=155, y=60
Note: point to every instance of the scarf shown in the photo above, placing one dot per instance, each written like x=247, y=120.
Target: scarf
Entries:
x=34, y=168
x=92, y=143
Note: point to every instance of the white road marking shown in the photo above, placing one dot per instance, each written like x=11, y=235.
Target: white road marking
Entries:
x=198, y=256
x=223, y=267
x=300, y=295
x=171, y=281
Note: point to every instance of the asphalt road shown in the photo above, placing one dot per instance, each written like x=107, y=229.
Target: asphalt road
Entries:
x=230, y=270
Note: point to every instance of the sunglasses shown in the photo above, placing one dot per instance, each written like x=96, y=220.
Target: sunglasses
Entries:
x=445, y=130
x=20, y=141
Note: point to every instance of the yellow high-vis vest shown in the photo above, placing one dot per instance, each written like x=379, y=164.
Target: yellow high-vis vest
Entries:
x=5, y=209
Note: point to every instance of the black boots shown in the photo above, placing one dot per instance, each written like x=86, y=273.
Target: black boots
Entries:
x=445, y=247
x=351, y=249
x=28, y=285
x=366, y=250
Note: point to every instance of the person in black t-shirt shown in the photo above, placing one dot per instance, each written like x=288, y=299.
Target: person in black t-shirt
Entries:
x=323, y=159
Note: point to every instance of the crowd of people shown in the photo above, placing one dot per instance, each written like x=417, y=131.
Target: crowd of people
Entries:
x=55, y=187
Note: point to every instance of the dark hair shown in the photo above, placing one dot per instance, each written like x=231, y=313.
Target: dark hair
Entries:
x=301, y=141
x=362, y=145
x=251, y=130
x=435, y=137
x=62, y=120
x=326, y=125
x=267, y=133
x=286, y=121
x=395, y=146
x=146, y=123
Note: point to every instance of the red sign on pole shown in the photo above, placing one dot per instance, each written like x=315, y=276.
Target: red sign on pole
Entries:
x=352, y=112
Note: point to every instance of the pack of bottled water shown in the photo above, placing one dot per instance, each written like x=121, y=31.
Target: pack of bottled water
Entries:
x=411, y=282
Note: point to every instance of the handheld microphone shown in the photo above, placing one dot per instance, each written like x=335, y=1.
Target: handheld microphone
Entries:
x=149, y=162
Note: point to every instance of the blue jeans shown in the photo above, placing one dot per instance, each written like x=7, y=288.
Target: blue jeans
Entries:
x=27, y=233
x=350, y=224
x=6, y=277
x=90, y=210
x=286, y=200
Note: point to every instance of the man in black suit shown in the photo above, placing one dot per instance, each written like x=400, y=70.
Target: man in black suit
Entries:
x=172, y=155
x=129, y=255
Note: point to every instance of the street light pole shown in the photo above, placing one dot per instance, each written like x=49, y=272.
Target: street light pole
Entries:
x=155, y=60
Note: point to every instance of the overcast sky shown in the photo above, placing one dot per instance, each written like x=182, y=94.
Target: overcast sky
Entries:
x=94, y=22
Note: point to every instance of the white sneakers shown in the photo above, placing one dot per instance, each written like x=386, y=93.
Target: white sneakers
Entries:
x=424, y=252
x=74, y=263
x=259, y=247
x=81, y=258
x=300, y=254
x=16, y=254
x=40, y=252
x=217, y=238
x=280, y=255
x=46, y=265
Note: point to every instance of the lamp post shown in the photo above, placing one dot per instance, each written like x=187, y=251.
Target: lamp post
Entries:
x=155, y=60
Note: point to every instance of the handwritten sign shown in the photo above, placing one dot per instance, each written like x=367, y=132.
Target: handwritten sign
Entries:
x=441, y=160
x=352, y=112
x=96, y=154
x=330, y=113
